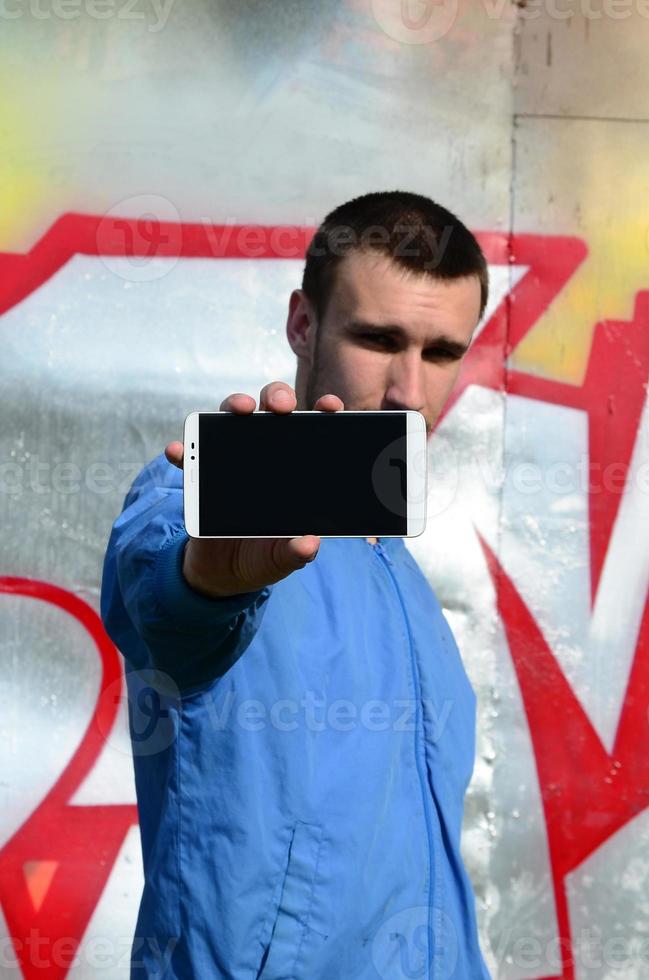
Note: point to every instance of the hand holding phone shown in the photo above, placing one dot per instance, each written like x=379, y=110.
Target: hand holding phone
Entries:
x=227, y=566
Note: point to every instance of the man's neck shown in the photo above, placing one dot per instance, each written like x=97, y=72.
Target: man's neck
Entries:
x=372, y=540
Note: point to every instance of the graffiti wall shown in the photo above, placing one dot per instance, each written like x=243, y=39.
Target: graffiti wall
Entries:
x=164, y=164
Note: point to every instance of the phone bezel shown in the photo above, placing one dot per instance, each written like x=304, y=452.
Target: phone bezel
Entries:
x=417, y=472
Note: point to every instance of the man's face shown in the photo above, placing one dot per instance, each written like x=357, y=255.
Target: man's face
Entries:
x=391, y=339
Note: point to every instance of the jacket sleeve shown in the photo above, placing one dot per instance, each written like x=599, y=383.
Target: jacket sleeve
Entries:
x=149, y=611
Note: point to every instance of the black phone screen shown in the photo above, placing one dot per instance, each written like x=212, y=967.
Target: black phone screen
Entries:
x=335, y=474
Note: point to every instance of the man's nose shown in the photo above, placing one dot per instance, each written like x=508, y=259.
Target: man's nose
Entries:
x=406, y=383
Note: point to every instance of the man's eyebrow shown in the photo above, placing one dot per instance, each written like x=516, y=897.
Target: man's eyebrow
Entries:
x=395, y=330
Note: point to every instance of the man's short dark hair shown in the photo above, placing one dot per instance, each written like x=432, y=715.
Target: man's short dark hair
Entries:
x=412, y=230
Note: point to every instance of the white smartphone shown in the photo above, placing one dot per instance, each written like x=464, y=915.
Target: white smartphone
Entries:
x=334, y=474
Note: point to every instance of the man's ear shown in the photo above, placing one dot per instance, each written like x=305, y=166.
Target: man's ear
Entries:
x=301, y=325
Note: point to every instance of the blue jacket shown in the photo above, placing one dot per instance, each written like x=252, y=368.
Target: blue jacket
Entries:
x=301, y=758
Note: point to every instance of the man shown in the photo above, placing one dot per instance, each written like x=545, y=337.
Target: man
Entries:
x=301, y=785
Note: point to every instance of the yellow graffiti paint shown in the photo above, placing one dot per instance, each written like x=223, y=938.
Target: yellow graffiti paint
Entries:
x=28, y=110
x=596, y=177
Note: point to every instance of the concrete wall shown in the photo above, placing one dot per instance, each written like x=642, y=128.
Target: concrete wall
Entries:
x=137, y=139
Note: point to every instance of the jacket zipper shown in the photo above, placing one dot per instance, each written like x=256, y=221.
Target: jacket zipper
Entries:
x=423, y=783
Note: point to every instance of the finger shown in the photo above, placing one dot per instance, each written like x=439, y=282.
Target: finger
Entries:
x=239, y=403
x=329, y=403
x=292, y=553
x=174, y=453
x=277, y=396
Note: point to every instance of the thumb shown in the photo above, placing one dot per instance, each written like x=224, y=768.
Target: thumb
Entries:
x=293, y=553
x=174, y=453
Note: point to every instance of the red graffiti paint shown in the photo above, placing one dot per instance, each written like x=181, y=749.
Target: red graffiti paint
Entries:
x=78, y=845
x=73, y=849
x=551, y=261
x=612, y=394
x=588, y=793
x=81, y=234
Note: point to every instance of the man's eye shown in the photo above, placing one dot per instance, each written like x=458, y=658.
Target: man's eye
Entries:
x=442, y=354
x=376, y=339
